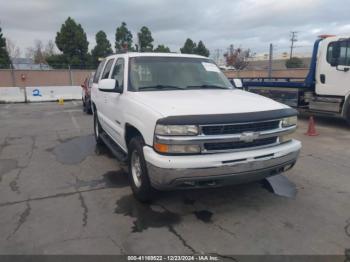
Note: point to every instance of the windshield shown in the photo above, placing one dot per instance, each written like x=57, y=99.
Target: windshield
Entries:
x=175, y=73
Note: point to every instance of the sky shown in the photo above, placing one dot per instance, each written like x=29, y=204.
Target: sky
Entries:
x=250, y=24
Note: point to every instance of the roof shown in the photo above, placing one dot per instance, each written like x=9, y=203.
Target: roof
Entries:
x=136, y=54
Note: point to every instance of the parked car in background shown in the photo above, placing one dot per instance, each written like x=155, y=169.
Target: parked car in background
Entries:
x=86, y=93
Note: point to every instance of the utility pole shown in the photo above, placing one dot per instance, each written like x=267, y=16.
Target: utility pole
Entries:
x=270, y=60
x=293, y=39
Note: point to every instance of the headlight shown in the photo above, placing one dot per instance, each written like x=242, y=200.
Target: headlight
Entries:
x=177, y=130
x=289, y=121
x=177, y=149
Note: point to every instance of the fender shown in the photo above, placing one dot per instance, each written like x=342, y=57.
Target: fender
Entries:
x=141, y=126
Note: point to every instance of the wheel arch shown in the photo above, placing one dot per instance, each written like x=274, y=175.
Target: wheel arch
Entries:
x=130, y=132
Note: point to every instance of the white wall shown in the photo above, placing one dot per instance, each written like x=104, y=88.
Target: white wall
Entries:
x=53, y=93
x=12, y=95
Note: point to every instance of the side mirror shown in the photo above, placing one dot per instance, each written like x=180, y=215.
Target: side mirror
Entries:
x=237, y=83
x=109, y=85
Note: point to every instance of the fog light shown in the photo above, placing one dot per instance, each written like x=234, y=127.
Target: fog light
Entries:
x=286, y=138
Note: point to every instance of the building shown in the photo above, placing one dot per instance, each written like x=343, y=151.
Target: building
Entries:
x=28, y=64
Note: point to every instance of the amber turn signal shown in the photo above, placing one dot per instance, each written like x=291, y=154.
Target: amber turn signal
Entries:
x=161, y=148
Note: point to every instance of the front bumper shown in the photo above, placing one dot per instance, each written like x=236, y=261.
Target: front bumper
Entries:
x=213, y=170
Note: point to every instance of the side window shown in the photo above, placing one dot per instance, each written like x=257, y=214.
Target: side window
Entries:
x=338, y=53
x=107, y=69
x=118, y=72
x=98, y=71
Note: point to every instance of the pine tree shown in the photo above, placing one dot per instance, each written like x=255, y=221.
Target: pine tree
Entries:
x=123, y=37
x=202, y=50
x=162, y=49
x=5, y=61
x=72, y=42
x=145, y=40
x=102, y=49
x=189, y=47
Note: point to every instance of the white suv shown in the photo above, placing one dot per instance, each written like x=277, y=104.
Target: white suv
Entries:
x=179, y=123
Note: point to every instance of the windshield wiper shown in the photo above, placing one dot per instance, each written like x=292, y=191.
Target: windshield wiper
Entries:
x=207, y=87
x=161, y=87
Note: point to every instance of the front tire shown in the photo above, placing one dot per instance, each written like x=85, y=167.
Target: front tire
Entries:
x=97, y=129
x=138, y=174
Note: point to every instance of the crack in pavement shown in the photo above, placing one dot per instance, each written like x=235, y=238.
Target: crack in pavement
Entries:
x=177, y=234
x=347, y=227
x=183, y=241
x=13, y=184
x=85, y=209
x=347, y=232
x=225, y=230
x=117, y=245
x=22, y=219
x=51, y=196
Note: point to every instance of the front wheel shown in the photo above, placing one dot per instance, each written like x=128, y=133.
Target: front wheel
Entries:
x=138, y=174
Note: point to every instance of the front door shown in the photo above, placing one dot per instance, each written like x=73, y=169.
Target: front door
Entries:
x=333, y=75
x=115, y=105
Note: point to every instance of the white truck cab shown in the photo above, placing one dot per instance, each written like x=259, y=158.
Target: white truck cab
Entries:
x=326, y=88
x=179, y=123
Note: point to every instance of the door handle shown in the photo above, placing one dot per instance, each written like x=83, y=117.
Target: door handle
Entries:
x=323, y=78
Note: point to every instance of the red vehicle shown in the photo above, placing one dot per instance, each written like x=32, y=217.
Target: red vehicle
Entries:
x=86, y=94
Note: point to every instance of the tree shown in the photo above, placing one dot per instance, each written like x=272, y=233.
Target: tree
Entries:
x=237, y=58
x=72, y=42
x=189, y=47
x=5, y=61
x=294, y=62
x=162, y=49
x=123, y=37
x=40, y=53
x=201, y=49
x=37, y=52
x=102, y=49
x=13, y=50
x=57, y=61
x=145, y=39
x=50, y=48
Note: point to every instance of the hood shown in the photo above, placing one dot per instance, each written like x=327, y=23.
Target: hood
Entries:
x=205, y=102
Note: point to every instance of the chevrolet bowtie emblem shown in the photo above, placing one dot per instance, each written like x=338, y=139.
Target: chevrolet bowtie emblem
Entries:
x=248, y=136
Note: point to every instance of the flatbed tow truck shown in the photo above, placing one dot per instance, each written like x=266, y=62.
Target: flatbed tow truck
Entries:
x=326, y=88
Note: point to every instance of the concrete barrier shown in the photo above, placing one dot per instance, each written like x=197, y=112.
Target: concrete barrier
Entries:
x=12, y=95
x=53, y=93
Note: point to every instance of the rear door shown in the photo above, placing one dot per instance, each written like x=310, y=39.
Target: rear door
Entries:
x=95, y=93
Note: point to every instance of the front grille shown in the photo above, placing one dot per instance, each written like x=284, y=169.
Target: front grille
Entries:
x=239, y=145
x=239, y=128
